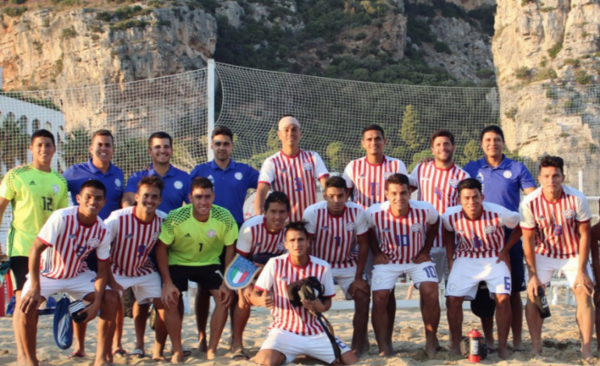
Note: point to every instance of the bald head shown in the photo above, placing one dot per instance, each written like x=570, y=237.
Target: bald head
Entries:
x=287, y=121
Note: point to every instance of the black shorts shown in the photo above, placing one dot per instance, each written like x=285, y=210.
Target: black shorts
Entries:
x=204, y=276
x=517, y=270
x=19, y=268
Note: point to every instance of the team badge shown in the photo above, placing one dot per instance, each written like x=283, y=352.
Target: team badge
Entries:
x=452, y=287
x=118, y=182
x=479, y=177
x=325, y=228
x=507, y=174
x=94, y=242
x=415, y=227
x=178, y=184
x=453, y=183
x=239, y=176
x=281, y=246
x=211, y=233
x=307, y=166
x=378, y=280
x=155, y=236
x=55, y=188
x=240, y=273
x=386, y=175
x=489, y=229
x=210, y=177
x=568, y=213
x=350, y=226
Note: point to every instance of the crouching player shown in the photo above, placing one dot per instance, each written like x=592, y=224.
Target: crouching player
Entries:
x=474, y=240
x=262, y=234
x=67, y=238
x=339, y=231
x=295, y=330
x=134, y=231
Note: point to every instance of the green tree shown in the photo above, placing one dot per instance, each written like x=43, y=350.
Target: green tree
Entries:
x=418, y=157
x=408, y=132
x=336, y=161
x=13, y=141
x=471, y=152
x=76, y=147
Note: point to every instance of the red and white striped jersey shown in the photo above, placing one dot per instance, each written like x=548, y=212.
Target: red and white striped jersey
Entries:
x=335, y=237
x=296, y=176
x=278, y=274
x=69, y=243
x=132, y=241
x=483, y=237
x=555, y=223
x=438, y=187
x=401, y=238
x=368, y=180
x=254, y=238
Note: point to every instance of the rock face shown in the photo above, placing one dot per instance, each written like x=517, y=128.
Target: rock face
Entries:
x=547, y=61
x=43, y=49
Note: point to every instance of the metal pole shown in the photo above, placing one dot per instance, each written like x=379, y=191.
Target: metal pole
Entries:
x=210, y=100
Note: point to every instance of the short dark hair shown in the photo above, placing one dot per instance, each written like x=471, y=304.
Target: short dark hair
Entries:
x=222, y=130
x=43, y=133
x=397, y=179
x=469, y=183
x=152, y=180
x=441, y=133
x=104, y=133
x=296, y=226
x=553, y=161
x=159, y=135
x=373, y=127
x=93, y=183
x=336, y=182
x=278, y=197
x=201, y=182
x=492, y=128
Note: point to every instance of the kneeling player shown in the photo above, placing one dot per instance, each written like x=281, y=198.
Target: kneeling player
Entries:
x=477, y=230
x=295, y=330
x=70, y=234
x=339, y=231
x=134, y=231
x=259, y=235
x=405, y=233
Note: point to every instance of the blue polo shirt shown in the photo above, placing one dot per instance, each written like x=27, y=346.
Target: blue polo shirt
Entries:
x=231, y=184
x=502, y=185
x=176, y=191
x=113, y=180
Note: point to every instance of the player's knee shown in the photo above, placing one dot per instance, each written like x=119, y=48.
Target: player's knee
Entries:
x=580, y=293
x=361, y=299
x=429, y=293
x=380, y=298
x=110, y=300
x=453, y=301
x=269, y=358
x=502, y=300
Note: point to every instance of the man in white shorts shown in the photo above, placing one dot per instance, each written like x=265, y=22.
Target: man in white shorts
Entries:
x=339, y=233
x=294, y=330
x=133, y=232
x=474, y=240
x=405, y=233
x=556, y=237
x=70, y=234
x=261, y=235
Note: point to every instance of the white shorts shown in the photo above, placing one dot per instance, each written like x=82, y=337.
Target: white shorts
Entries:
x=145, y=288
x=440, y=258
x=546, y=266
x=386, y=275
x=77, y=287
x=293, y=345
x=344, y=278
x=466, y=274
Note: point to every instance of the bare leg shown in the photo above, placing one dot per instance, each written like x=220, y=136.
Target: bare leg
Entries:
x=21, y=358
x=381, y=319
x=391, y=310
x=360, y=322
x=119, y=321
x=585, y=319
x=269, y=357
x=79, y=330
x=241, y=314
x=430, y=310
x=455, y=320
x=28, y=335
x=597, y=307
x=140, y=317
x=202, y=308
x=217, y=323
x=487, y=324
x=516, y=305
x=160, y=336
x=534, y=323
x=503, y=320
x=172, y=320
x=106, y=326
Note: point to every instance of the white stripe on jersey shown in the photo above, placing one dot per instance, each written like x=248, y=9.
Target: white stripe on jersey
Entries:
x=282, y=273
x=254, y=238
x=132, y=242
x=438, y=187
x=335, y=237
x=296, y=177
x=555, y=223
x=69, y=243
x=368, y=180
x=401, y=238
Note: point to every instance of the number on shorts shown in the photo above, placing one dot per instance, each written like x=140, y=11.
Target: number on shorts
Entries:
x=507, y=283
x=141, y=251
x=430, y=272
x=558, y=230
x=298, y=183
x=402, y=240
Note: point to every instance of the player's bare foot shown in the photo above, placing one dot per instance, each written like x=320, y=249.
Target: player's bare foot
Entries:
x=177, y=358
x=454, y=350
x=503, y=353
x=362, y=349
x=158, y=352
x=386, y=352
x=536, y=349
x=431, y=350
x=586, y=354
x=211, y=354
x=202, y=345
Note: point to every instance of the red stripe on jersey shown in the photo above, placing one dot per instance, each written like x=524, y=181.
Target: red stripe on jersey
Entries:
x=438, y=187
x=481, y=238
x=264, y=241
x=369, y=180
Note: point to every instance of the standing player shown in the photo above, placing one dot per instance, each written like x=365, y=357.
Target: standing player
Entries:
x=436, y=182
x=191, y=241
x=556, y=237
x=405, y=231
x=34, y=191
x=476, y=228
x=295, y=330
x=99, y=167
x=67, y=238
x=503, y=179
x=292, y=171
x=339, y=234
x=259, y=235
